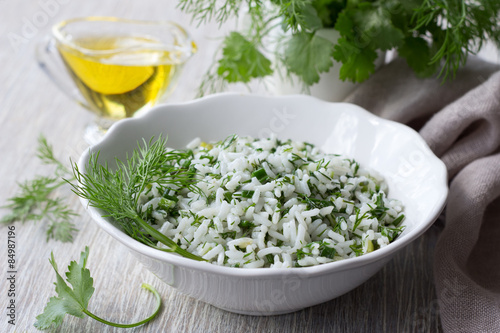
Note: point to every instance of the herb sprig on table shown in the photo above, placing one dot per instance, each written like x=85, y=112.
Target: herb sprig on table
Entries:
x=434, y=36
x=75, y=300
x=37, y=201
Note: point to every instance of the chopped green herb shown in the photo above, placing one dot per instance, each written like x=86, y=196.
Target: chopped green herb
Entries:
x=246, y=225
x=228, y=196
x=260, y=174
x=211, y=198
x=391, y=233
x=326, y=251
x=398, y=220
x=229, y=234
x=301, y=254
x=247, y=194
x=357, y=249
x=380, y=210
x=270, y=258
x=166, y=204
x=358, y=220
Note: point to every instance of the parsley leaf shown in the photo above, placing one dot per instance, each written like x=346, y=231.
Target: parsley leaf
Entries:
x=74, y=300
x=307, y=55
x=241, y=61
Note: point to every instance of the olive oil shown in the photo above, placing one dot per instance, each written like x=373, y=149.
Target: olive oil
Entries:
x=120, y=76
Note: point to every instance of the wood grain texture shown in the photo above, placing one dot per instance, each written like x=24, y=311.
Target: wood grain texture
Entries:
x=400, y=298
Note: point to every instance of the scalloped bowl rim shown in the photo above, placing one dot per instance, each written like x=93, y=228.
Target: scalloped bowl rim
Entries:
x=321, y=269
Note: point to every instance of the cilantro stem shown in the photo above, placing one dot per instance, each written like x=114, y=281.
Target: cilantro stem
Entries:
x=158, y=306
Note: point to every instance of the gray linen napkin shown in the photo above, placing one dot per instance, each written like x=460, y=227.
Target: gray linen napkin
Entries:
x=460, y=121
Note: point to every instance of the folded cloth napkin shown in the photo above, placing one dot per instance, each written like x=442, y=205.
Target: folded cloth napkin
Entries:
x=460, y=121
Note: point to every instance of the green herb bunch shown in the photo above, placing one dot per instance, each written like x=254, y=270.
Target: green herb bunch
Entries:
x=434, y=36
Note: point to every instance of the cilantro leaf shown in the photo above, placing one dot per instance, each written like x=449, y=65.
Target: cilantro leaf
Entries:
x=68, y=300
x=345, y=25
x=241, y=61
x=417, y=53
x=307, y=55
x=74, y=301
x=80, y=279
x=357, y=64
x=52, y=315
x=376, y=28
x=328, y=11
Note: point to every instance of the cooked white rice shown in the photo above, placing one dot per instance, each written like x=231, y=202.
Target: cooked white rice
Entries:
x=272, y=203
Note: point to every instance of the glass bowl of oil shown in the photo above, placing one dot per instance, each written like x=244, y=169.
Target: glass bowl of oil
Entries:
x=116, y=68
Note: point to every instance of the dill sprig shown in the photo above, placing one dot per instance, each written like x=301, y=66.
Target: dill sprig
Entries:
x=204, y=11
x=117, y=191
x=45, y=152
x=36, y=200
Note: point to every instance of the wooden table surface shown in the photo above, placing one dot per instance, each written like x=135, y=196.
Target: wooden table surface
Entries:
x=400, y=298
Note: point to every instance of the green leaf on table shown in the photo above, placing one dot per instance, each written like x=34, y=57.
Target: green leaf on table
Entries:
x=307, y=55
x=71, y=301
x=74, y=299
x=37, y=201
x=241, y=60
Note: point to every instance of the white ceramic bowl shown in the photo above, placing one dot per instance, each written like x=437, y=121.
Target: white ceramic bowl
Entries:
x=414, y=175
